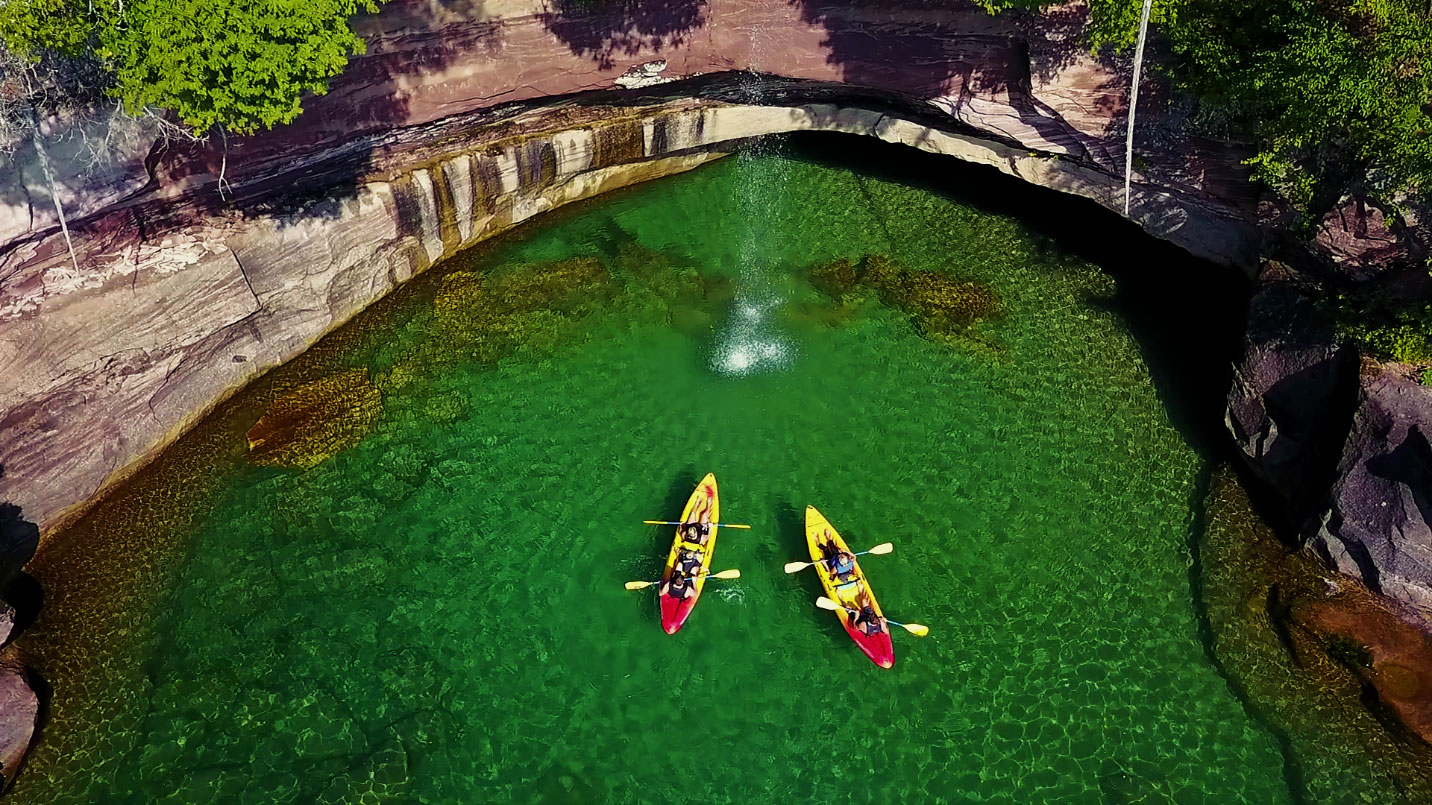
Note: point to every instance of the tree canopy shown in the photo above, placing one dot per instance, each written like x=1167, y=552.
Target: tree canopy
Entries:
x=1332, y=91
x=240, y=64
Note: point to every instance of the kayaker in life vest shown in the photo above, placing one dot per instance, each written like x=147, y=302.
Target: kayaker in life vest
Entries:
x=689, y=562
x=697, y=533
x=841, y=563
x=864, y=617
x=679, y=585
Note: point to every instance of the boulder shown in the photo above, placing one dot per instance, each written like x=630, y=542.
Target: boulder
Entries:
x=1358, y=240
x=1377, y=526
x=19, y=715
x=1291, y=395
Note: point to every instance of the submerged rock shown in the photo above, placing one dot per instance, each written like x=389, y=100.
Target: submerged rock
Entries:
x=1377, y=526
x=309, y=424
x=19, y=715
x=1384, y=647
x=1291, y=395
x=941, y=306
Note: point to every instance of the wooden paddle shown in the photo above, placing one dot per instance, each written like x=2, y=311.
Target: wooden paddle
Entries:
x=672, y=522
x=725, y=574
x=913, y=628
x=881, y=549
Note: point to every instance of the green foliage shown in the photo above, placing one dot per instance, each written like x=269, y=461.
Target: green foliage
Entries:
x=241, y=64
x=1386, y=327
x=1334, y=91
x=1112, y=23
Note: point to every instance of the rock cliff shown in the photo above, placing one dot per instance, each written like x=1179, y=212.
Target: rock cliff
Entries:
x=464, y=119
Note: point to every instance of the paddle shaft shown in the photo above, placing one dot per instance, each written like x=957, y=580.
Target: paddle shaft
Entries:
x=703, y=574
x=830, y=561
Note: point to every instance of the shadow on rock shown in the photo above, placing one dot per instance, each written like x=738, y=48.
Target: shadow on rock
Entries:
x=602, y=30
x=18, y=540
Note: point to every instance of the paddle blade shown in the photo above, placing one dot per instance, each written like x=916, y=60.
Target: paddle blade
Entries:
x=916, y=629
x=733, y=573
x=882, y=549
x=731, y=525
x=796, y=567
x=637, y=585
x=826, y=603
x=659, y=522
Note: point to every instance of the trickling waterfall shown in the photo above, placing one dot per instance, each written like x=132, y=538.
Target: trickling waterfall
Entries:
x=750, y=342
x=1134, y=102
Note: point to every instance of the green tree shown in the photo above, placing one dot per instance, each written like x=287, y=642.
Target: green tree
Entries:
x=1333, y=92
x=240, y=64
x=1112, y=23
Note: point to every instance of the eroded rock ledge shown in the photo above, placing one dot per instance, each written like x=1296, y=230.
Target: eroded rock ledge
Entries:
x=178, y=304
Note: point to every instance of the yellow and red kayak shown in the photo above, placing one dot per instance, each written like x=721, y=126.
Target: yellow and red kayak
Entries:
x=703, y=509
x=851, y=592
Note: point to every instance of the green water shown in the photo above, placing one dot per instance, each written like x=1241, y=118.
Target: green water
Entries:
x=437, y=614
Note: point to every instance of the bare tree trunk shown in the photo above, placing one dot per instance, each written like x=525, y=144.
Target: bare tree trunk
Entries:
x=44, y=156
x=1134, y=103
x=224, y=166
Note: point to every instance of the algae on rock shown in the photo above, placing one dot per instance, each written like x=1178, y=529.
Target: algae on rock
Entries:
x=311, y=423
x=943, y=308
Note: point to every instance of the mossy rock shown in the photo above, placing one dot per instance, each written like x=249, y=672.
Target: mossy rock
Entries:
x=558, y=285
x=309, y=424
x=835, y=279
x=941, y=306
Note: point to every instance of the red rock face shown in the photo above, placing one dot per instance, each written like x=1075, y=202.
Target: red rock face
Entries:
x=1030, y=83
x=1357, y=237
x=19, y=711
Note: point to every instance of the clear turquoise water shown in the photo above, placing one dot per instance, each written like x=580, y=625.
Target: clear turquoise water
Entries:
x=437, y=614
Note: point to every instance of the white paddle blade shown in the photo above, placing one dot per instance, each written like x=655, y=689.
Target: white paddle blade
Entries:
x=826, y=603
x=733, y=573
x=916, y=629
x=637, y=585
x=796, y=567
x=882, y=549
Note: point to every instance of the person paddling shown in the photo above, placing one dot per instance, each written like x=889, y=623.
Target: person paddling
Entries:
x=696, y=533
x=679, y=585
x=864, y=616
x=840, y=561
x=688, y=561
